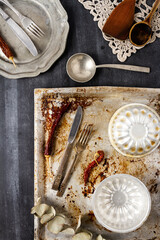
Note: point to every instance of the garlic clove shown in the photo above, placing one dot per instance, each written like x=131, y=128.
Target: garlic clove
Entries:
x=56, y=224
x=100, y=238
x=79, y=223
x=46, y=218
x=68, y=231
x=40, y=209
x=82, y=235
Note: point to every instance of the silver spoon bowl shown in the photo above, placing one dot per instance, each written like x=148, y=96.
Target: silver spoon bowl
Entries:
x=81, y=67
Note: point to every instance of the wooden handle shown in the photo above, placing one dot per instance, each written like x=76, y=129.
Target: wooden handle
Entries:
x=67, y=177
x=155, y=6
x=61, y=169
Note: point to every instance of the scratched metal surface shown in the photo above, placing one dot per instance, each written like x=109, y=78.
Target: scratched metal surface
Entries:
x=103, y=102
x=52, y=19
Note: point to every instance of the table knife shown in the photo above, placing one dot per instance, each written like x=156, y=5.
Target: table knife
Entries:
x=23, y=37
x=71, y=138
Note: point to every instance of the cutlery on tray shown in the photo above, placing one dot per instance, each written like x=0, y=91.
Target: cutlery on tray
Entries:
x=27, y=23
x=81, y=67
x=23, y=37
x=71, y=138
x=80, y=146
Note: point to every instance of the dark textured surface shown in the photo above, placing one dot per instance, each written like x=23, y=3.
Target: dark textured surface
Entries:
x=17, y=112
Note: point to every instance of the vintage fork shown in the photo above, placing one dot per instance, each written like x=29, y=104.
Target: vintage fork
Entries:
x=27, y=23
x=80, y=146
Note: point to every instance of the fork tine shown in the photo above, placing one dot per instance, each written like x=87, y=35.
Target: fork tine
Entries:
x=85, y=135
x=31, y=30
x=89, y=133
x=36, y=29
x=40, y=30
x=82, y=133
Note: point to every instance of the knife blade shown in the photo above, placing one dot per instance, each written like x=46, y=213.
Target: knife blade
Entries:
x=19, y=32
x=71, y=138
x=75, y=125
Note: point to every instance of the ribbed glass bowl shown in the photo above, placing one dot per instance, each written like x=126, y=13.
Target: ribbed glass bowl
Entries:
x=121, y=203
x=134, y=130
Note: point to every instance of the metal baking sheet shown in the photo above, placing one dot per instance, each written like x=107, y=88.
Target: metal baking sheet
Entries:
x=99, y=104
x=51, y=17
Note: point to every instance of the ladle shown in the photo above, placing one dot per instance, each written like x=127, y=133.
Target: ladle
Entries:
x=140, y=32
x=81, y=67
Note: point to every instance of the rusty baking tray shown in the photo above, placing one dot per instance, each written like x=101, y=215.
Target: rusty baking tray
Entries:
x=99, y=104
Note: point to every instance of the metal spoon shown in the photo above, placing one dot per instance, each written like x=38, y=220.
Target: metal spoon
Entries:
x=81, y=67
x=140, y=33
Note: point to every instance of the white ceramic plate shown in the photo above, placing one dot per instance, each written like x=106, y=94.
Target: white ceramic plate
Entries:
x=134, y=130
x=50, y=16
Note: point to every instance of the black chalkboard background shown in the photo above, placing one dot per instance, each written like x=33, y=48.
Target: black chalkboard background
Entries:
x=17, y=113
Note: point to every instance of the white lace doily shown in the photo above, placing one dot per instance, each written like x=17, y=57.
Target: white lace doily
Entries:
x=101, y=9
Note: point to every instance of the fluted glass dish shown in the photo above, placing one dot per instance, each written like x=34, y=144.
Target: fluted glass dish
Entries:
x=134, y=130
x=121, y=203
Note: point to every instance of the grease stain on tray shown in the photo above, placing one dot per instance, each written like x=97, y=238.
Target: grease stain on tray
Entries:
x=101, y=102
